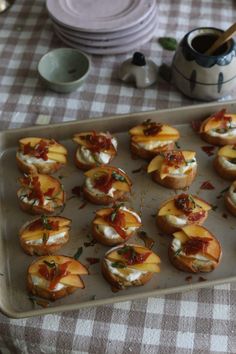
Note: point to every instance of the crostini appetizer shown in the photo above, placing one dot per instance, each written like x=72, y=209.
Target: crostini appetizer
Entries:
x=94, y=149
x=39, y=155
x=113, y=226
x=40, y=194
x=230, y=199
x=194, y=249
x=149, y=138
x=129, y=265
x=174, y=169
x=219, y=128
x=184, y=209
x=44, y=235
x=225, y=162
x=53, y=277
x=106, y=184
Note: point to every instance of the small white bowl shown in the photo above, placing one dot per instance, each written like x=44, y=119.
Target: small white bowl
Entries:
x=64, y=69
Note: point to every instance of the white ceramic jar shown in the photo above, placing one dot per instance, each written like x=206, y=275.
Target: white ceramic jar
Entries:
x=201, y=76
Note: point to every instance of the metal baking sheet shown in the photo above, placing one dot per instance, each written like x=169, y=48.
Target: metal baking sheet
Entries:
x=146, y=198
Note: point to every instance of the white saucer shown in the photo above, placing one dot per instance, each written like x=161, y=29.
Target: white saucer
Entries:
x=99, y=15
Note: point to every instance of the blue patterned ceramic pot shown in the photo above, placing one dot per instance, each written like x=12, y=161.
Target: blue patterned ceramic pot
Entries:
x=201, y=76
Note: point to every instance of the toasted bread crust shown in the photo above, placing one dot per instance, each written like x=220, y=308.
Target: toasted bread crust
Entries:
x=43, y=249
x=99, y=236
x=175, y=182
x=105, y=199
x=49, y=294
x=169, y=229
x=148, y=154
x=217, y=140
x=222, y=171
x=120, y=283
x=46, y=168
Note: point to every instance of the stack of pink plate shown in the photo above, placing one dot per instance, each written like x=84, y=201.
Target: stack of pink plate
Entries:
x=103, y=26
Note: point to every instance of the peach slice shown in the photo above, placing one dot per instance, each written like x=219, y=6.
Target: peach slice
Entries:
x=169, y=208
x=130, y=219
x=57, y=157
x=152, y=258
x=212, y=123
x=72, y=280
x=227, y=151
x=166, y=130
x=107, y=169
x=196, y=230
x=155, y=164
x=38, y=234
x=74, y=267
x=146, y=267
x=53, y=145
x=162, y=137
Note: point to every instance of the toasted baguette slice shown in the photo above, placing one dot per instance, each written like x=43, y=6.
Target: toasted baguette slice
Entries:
x=44, y=235
x=53, y=277
x=94, y=149
x=39, y=155
x=225, y=162
x=174, y=169
x=106, y=184
x=184, y=209
x=220, y=121
x=114, y=226
x=120, y=274
x=50, y=190
x=230, y=198
x=150, y=138
x=194, y=249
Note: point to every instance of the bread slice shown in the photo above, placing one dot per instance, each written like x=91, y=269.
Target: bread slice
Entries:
x=214, y=128
x=40, y=194
x=116, y=225
x=129, y=265
x=194, y=249
x=230, y=196
x=225, y=162
x=44, y=235
x=106, y=184
x=54, y=277
x=40, y=155
x=150, y=138
x=174, y=169
x=94, y=149
x=184, y=209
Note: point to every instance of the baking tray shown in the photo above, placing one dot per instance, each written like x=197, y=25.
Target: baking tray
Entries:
x=146, y=198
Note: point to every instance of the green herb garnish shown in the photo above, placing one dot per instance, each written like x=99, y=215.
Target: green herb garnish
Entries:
x=51, y=264
x=168, y=43
x=118, y=265
x=178, y=252
x=177, y=145
x=118, y=177
x=78, y=253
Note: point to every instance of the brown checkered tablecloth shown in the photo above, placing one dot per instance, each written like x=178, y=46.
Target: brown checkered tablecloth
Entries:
x=195, y=322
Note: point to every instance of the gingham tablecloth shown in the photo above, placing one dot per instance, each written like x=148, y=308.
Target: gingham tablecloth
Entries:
x=194, y=322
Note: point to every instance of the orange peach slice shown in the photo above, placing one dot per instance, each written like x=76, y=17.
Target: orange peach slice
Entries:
x=130, y=219
x=169, y=207
x=212, y=123
x=227, y=151
x=53, y=145
x=74, y=267
x=146, y=267
x=108, y=169
x=72, y=280
x=166, y=130
x=152, y=258
x=155, y=164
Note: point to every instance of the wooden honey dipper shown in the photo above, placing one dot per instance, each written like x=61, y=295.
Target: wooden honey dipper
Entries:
x=224, y=37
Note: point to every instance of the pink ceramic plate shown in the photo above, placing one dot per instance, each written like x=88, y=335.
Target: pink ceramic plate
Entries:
x=134, y=45
x=97, y=36
x=109, y=43
x=99, y=15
